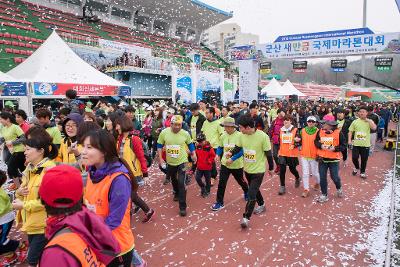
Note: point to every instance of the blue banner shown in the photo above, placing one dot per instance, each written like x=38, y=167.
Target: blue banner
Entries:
x=124, y=91
x=328, y=34
x=13, y=89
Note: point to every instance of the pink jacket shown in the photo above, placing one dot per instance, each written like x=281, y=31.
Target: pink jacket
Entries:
x=275, y=129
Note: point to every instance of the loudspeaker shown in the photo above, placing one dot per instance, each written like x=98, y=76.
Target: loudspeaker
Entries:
x=294, y=98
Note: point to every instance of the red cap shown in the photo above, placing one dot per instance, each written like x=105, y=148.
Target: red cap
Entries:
x=61, y=182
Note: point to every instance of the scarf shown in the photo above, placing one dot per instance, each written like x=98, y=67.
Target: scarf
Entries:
x=311, y=130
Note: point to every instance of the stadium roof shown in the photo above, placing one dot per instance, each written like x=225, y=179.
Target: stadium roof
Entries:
x=191, y=13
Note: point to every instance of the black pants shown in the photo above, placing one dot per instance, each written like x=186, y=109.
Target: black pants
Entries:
x=205, y=187
x=363, y=152
x=11, y=245
x=123, y=260
x=344, y=154
x=214, y=172
x=223, y=180
x=275, y=154
x=37, y=243
x=282, y=172
x=178, y=178
x=139, y=202
x=16, y=164
x=254, y=180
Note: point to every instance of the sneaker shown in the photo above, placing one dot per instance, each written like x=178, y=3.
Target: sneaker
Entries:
x=176, y=198
x=245, y=223
x=277, y=169
x=355, y=171
x=246, y=196
x=166, y=181
x=259, y=209
x=322, y=198
x=182, y=212
x=136, y=210
x=297, y=183
x=306, y=193
x=22, y=251
x=363, y=176
x=282, y=190
x=140, y=181
x=317, y=187
x=148, y=216
x=339, y=193
x=9, y=260
x=217, y=206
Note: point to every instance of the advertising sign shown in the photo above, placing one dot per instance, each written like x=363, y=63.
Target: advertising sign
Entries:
x=13, y=89
x=299, y=65
x=265, y=65
x=184, y=87
x=339, y=63
x=341, y=43
x=248, y=80
x=122, y=47
x=247, y=52
x=383, y=61
x=207, y=82
x=57, y=89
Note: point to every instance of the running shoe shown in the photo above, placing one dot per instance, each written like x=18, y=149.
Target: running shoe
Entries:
x=259, y=209
x=136, y=209
x=182, y=212
x=306, y=193
x=355, y=171
x=9, y=260
x=148, y=216
x=339, y=193
x=282, y=190
x=297, y=183
x=317, y=187
x=246, y=196
x=363, y=175
x=322, y=199
x=217, y=206
x=245, y=223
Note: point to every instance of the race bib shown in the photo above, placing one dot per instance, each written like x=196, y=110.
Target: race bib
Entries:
x=173, y=151
x=360, y=136
x=287, y=138
x=249, y=156
x=327, y=141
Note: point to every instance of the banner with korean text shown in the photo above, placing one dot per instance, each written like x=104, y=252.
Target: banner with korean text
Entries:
x=337, y=45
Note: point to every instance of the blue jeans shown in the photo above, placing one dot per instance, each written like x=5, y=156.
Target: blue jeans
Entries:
x=323, y=173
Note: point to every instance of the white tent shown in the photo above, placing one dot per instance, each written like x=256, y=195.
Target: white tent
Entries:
x=55, y=62
x=273, y=88
x=289, y=87
x=6, y=78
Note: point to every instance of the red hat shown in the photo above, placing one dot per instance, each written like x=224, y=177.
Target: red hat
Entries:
x=61, y=182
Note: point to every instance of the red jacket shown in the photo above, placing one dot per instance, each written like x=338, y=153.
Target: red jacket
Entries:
x=205, y=157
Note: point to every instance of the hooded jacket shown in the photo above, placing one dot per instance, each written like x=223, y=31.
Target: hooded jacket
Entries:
x=90, y=228
x=275, y=130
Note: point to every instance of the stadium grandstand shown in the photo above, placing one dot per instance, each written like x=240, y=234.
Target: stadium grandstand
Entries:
x=163, y=33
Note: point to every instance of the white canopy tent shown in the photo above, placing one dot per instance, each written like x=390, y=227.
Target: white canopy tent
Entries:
x=289, y=87
x=55, y=62
x=6, y=78
x=274, y=89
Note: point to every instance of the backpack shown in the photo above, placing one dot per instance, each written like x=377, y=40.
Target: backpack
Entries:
x=146, y=151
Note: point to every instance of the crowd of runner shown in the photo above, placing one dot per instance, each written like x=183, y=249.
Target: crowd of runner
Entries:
x=72, y=173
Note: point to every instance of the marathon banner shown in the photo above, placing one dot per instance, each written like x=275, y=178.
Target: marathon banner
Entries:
x=56, y=89
x=13, y=89
x=207, y=82
x=247, y=52
x=333, y=46
x=122, y=47
x=248, y=80
x=184, y=87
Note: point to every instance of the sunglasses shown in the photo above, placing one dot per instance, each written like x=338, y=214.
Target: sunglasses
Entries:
x=312, y=121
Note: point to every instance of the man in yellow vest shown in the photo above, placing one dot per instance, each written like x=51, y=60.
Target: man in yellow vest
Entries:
x=77, y=237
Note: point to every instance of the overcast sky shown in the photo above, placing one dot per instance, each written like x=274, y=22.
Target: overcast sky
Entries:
x=271, y=18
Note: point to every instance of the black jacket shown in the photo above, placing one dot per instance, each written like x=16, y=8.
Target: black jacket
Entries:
x=199, y=123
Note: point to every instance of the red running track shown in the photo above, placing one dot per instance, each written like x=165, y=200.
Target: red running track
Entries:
x=293, y=232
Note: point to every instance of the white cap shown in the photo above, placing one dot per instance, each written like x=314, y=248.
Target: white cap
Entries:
x=311, y=118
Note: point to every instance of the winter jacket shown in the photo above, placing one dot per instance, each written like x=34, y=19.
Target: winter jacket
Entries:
x=90, y=228
x=205, y=157
x=33, y=215
x=119, y=193
x=275, y=130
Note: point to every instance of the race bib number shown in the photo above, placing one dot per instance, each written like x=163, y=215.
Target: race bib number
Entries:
x=287, y=138
x=173, y=151
x=250, y=156
x=360, y=136
x=327, y=141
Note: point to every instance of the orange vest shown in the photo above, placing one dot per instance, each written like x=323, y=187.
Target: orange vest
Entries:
x=97, y=198
x=329, y=140
x=286, y=147
x=74, y=244
x=308, y=148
